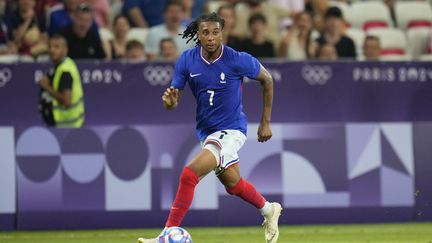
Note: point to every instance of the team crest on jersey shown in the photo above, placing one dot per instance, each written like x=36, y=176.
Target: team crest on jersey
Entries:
x=222, y=76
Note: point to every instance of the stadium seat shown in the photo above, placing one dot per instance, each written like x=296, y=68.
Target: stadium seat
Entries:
x=139, y=34
x=418, y=41
x=426, y=58
x=369, y=15
x=393, y=41
x=358, y=36
x=411, y=14
x=43, y=58
x=25, y=58
x=105, y=34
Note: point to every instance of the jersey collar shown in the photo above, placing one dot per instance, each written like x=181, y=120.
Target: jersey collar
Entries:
x=215, y=60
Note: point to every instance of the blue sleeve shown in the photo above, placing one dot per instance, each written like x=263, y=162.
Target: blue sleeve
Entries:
x=247, y=65
x=128, y=4
x=180, y=73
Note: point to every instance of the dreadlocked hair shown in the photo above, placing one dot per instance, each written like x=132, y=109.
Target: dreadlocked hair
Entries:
x=190, y=33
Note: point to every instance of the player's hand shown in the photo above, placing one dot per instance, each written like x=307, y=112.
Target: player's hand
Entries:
x=170, y=98
x=264, y=132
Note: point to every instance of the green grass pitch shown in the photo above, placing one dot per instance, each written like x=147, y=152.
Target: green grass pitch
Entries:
x=391, y=233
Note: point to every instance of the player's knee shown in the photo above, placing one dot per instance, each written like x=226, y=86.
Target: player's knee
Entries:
x=235, y=189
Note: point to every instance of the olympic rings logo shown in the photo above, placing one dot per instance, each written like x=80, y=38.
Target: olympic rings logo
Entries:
x=316, y=75
x=5, y=76
x=158, y=75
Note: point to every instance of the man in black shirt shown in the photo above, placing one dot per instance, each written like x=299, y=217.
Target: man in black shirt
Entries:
x=82, y=42
x=257, y=45
x=334, y=34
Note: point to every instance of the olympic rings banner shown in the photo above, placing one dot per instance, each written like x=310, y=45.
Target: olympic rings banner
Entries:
x=118, y=93
x=351, y=143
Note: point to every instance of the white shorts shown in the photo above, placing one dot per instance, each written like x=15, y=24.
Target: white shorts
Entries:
x=224, y=145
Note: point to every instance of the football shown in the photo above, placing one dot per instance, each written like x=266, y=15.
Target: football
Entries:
x=175, y=235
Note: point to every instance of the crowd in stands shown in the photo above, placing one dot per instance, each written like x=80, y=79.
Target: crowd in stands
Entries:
x=140, y=30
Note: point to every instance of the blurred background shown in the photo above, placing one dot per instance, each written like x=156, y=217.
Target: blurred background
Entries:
x=351, y=118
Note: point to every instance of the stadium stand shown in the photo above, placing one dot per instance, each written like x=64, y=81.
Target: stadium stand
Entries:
x=370, y=14
x=393, y=42
x=411, y=14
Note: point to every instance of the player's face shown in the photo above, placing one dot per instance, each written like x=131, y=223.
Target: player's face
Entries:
x=210, y=36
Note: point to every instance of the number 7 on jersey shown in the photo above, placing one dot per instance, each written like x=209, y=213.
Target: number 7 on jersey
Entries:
x=211, y=92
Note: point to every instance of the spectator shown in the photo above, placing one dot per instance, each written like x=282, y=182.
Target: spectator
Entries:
x=82, y=42
x=42, y=8
x=62, y=17
x=117, y=47
x=7, y=46
x=144, y=13
x=258, y=45
x=61, y=103
x=26, y=30
x=297, y=44
x=334, y=34
x=318, y=9
x=102, y=11
x=187, y=6
x=273, y=15
x=327, y=52
x=135, y=51
x=168, y=50
x=227, y=12
x=173, y=15
x=371, y=48
x=199, y=7
x=296, y=6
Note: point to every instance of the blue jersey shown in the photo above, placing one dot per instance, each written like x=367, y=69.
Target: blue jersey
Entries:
x=216, y=87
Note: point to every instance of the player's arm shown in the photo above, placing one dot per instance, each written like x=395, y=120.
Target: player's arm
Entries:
x=171, y=98
x=64, y=97
x=266, y=80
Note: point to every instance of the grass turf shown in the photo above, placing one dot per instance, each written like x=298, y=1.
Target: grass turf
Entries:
x=323, y=233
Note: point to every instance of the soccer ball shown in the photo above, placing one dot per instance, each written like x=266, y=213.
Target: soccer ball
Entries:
x=175, y=235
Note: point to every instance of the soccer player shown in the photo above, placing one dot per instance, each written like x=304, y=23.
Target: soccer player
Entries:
x=214, y=73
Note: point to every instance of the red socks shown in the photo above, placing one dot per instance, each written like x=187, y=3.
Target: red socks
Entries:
x=247, y=192
x=184, y=197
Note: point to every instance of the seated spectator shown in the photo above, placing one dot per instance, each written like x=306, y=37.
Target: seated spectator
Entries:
x=173, y=15
x=102, y=11
x=227, y=12
x=63, y=17
x=371, y=48
x=135, y=51
x=272, y=13
x=7, y=46
x=297, y=44
x=26, y=31
x=318, y=9
x=327, y=52
x=144, y=13
x=82, y=42
x=42, y=9
x=187, y=6
x=116, y=48
x=296, y=6
x=168, y=50
x=258, y=45
x=334, y=34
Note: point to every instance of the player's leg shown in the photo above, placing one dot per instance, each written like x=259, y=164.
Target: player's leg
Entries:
x=238, y=186
x=192, y=173
x=195, y=170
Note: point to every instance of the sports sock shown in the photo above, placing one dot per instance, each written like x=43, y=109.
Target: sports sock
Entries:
x=247, y=192
x=184, y=197
x=266, y=210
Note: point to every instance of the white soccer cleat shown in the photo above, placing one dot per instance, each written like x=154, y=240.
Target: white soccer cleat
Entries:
x=142, y=240
x=270, y=223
